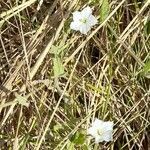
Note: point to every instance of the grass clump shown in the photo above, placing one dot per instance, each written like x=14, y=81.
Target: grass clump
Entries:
x=62, y=79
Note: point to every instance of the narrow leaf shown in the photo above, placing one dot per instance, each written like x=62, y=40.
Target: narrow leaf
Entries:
x=104, y=10
x=78, y=138
x=21, y=100
x=146, y=70
x=58, y=67
x=56, y=50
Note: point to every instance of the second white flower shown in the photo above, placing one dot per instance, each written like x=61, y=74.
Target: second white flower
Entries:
x=101, y=131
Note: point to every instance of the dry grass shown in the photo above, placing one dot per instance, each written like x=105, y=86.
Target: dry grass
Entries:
x=101, y=75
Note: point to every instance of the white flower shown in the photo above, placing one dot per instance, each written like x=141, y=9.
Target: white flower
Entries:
x=101, y=131
x=83, y=21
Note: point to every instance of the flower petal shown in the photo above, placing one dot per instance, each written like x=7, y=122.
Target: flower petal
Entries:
x=77, y=16
x=108, y=125
x=92, y=20
x=86, y=12
x=84, y=28
x=108, y=136
x=75, y=26
x=97, y=123
x=98, y=139
x=92, y=132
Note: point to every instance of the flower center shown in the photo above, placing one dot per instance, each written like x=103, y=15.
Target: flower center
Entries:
x=100, y=132
x=84, y=20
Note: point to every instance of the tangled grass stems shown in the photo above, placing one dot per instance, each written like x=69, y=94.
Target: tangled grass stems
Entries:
x=101, y=75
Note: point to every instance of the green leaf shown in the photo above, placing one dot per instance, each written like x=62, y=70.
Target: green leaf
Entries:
x=78, y=138
x=70, y=146
x=56, y=50
x=21, y=100
x=95, y=89
x=146, y=69
x=57, y=127
x=58, y=67
x=86, y=147
x=104, y=10
x=147, y=27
